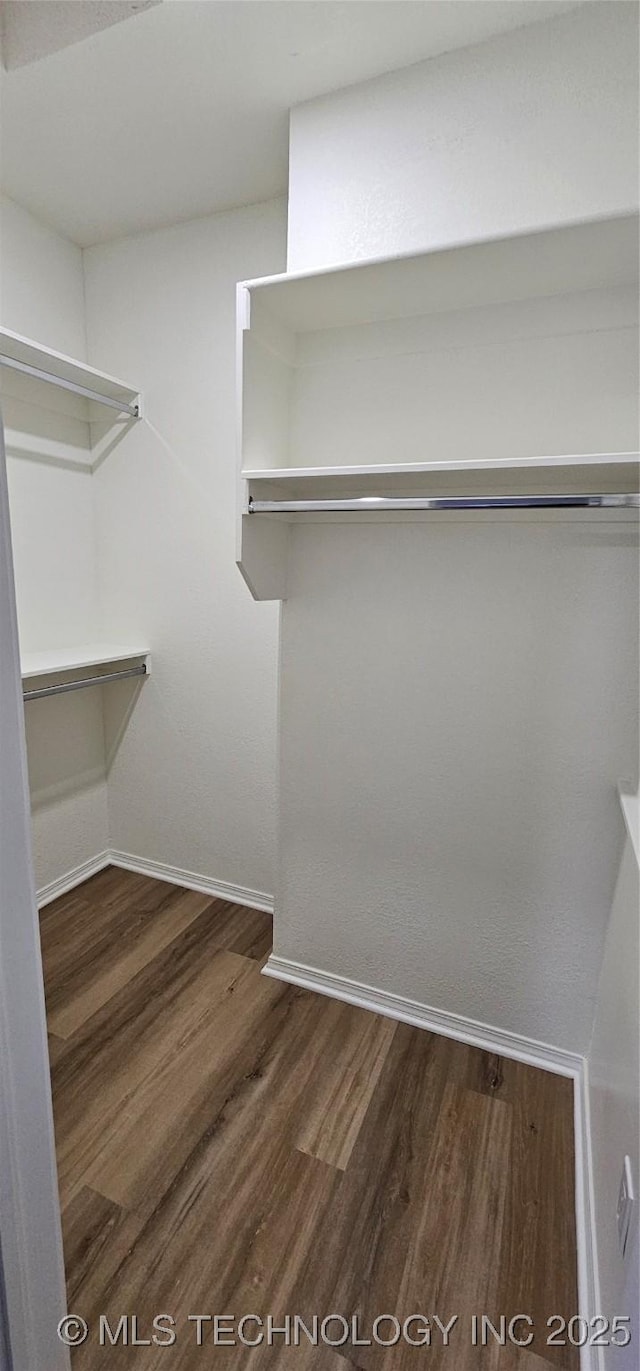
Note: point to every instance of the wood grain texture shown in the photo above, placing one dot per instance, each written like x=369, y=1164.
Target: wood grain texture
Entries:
x=541, y=1206
x=228, y=1142
x=102, y=1077
x=245, y=931
x=354, y=1050
x=97, y=1237
x=418, y=1226
x=511, y=1358
x=100, y=967
x=56, y=1048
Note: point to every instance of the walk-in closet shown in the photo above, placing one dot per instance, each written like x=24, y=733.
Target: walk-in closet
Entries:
x=319, y=685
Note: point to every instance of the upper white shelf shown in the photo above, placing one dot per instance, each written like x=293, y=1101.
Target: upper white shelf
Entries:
x=560, y=261
x=44, y=366
x=505, y=367
x=58, y=660
x=478, y=357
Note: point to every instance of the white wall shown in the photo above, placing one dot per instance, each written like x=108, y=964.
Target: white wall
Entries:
x=458, y=705
x=452, y=729
x=191, y=781
x=42, y=296
x=614, y=1077
x=533, y=127
x=190, y=759
x=42, y=288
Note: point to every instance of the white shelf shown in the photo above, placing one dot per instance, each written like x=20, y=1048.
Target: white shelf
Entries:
x=419, y=468
x=510, y=365
x=559, y=261
x=56, y=661
x=23, y=356
x=592, y=473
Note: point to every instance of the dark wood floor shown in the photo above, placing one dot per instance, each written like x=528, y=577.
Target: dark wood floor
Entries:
x=231, y=1145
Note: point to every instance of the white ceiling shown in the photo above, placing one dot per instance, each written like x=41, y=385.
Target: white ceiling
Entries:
x=32, y=31
x=183, y=110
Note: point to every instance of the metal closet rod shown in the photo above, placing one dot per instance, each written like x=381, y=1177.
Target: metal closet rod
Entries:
x=364, y=504
x=64, y=686
x=132, y=410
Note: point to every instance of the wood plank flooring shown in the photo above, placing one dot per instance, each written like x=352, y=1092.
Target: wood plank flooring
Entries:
x=227, y=1143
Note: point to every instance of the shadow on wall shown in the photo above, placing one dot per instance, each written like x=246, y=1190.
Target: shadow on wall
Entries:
x=66, y=741
x=58, y=429
x=120, y=700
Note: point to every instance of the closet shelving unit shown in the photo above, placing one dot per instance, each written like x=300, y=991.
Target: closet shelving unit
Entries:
x=504, y=369
x=76, y=408
x=74, y=668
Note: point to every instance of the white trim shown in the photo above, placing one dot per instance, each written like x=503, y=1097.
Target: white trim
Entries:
x=505, y=1044
x=220, y=890
x=424, y=1016
x=592, y=1358
x=32, y=1285
x=143, y=866
x=72, y=878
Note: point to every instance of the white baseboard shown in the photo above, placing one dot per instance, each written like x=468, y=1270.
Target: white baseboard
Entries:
x=504, y=1044
x=192, y=880
x=65, y=883
x=219, y=890
x=498, y=1040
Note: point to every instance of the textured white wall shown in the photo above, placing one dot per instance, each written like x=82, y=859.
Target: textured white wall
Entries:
x=191, y=781
x=614, y=1075
x=533, y=127
x=42, y=296
x=457, y=706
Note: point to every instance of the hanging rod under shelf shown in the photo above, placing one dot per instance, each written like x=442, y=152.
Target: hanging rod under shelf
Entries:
x=84, y=681
x=133, y=411
x=371, y=504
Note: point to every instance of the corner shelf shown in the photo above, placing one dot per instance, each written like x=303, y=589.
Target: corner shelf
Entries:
x=502, y=367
